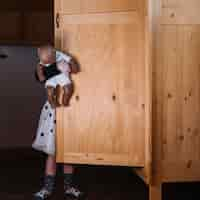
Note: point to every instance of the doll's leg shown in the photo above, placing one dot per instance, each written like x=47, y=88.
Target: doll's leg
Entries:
x=68, y=91
x=51, y=96
x=59, y=95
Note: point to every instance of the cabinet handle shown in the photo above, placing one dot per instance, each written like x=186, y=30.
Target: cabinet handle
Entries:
x=57, y=20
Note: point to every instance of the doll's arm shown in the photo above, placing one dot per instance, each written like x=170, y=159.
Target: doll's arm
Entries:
x=74, y=66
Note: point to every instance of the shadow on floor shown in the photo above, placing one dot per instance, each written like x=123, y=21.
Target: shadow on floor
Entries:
x=21, y=174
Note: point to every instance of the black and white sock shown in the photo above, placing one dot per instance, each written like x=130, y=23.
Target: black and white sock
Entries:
x=49, y=183
x=47, y=189
x=68, y=180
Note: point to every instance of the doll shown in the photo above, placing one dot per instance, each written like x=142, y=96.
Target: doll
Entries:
x=54, y=70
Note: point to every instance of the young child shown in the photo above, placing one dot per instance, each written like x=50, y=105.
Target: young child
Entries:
x=46, y=130
x=56, y=68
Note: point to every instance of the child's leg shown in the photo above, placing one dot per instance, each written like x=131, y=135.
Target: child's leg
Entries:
x=70, y=190
x=50, y=169
x=49, y=179
x=51, y=96
x=50, y=173
x=68, y=91
x=68, y=174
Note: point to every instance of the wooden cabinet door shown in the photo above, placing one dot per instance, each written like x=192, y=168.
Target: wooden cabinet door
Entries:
x=105, y=123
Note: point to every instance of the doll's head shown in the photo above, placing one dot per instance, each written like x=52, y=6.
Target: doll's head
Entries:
x=47, y=54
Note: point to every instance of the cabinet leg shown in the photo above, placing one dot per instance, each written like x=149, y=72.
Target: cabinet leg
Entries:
x=155, y=192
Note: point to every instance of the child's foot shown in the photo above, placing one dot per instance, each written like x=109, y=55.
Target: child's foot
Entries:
x=73, y=193
x=47, y=189
x=42, y=194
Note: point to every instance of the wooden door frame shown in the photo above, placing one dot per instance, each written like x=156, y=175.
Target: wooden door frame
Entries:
x=155, y=186
x=146, y=172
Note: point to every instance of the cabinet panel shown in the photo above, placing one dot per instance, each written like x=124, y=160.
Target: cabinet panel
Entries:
x=180, y=12
x=181, y=97
x=87, y=6
x=105, y=122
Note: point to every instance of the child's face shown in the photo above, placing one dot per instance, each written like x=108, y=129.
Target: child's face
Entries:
x=46, y=55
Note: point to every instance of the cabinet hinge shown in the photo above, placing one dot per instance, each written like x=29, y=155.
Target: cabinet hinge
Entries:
x=57, y=20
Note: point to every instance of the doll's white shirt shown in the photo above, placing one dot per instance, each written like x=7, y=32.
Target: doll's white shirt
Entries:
x=62, y=79
x=60, y=56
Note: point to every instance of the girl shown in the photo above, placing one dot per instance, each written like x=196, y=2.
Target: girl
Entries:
x=46, y=130
x=56, y=66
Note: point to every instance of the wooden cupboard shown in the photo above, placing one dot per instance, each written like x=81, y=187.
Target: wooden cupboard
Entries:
x=105, y=123
x=176, y=94
x=137, y=97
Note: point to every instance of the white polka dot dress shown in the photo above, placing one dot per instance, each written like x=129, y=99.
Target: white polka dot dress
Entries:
x=45, y=137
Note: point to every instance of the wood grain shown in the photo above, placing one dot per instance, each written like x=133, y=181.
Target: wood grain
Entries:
x=102, y=37
x=176, y=94
x=146, y=172
x=181, y=114
x=101, y=18
x=107, y=115
x=180, y=12
x=96, y=6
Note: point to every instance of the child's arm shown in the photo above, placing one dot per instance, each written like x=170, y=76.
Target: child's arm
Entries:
x=40, y=73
